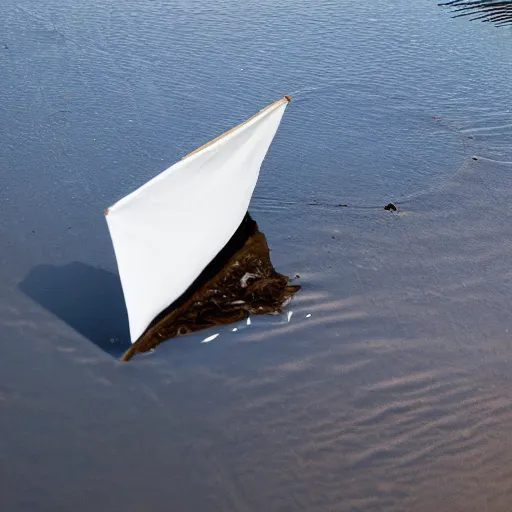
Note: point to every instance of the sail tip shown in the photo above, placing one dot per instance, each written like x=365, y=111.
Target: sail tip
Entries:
x=288, y=98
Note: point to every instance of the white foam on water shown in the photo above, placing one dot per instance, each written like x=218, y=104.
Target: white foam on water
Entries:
x=210, y=338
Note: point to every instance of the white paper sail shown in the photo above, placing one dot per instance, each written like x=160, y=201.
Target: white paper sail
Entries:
x=166, y=232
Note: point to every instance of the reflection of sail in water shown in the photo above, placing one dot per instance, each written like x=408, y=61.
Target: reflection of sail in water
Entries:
x=497, y=11
x=239, y=282
x=166, y=232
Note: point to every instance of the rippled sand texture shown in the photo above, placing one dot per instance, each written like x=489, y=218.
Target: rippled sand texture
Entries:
x=394, y=395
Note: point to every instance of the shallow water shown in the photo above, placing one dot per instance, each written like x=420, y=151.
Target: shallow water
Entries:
x=395, y=393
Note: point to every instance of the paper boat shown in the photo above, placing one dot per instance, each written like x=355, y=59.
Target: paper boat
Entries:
x=167, y=232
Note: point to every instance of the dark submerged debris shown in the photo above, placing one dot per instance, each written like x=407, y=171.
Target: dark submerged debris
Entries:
x=240, y=282
x=496, y=11
x=390, y=207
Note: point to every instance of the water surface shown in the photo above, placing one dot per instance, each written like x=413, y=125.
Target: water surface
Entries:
x=395, y=393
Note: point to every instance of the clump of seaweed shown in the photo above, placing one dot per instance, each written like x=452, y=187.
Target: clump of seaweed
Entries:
x=495, y=11
x=242, y=282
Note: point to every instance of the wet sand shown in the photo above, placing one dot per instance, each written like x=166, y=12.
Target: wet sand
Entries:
x=394, y=394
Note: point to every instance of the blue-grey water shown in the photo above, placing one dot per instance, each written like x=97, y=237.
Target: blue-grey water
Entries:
x=395, y=394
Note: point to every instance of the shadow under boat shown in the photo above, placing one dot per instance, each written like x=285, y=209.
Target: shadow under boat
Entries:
x=240, y=281
x=88, y=299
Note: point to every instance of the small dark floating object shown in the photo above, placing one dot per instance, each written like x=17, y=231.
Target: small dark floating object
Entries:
x=474, y=158
x=390, y=207
x=342, y=205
